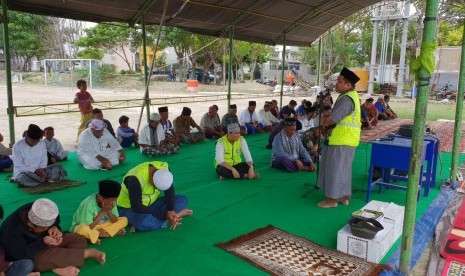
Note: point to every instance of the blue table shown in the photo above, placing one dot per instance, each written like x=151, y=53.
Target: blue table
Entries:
x=393, y=156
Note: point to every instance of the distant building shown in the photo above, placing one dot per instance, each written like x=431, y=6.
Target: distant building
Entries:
x=447, y=67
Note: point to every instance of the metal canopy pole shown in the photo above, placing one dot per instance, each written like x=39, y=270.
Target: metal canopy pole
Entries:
x=146, y=73
x=414, y=173
x=230, y=73
x=403, y=49
x=374, y=47
x=6, y=55
x=458, y=114
x=282, y=73
x=318, y=68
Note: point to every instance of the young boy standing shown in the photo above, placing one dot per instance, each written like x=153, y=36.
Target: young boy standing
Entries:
x=84, y=100
x=127, y=134
x=97, y=215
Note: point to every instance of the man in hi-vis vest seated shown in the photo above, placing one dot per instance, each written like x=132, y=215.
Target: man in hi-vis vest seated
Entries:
x=140, y=200
x=228, y=161
x=335, y=174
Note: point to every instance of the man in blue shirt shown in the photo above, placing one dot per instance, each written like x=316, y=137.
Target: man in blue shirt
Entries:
x=382, y=115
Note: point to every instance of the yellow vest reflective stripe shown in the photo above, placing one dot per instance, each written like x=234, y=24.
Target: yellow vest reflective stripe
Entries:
x=347, y=131
x=232, y=152
x=149, y=192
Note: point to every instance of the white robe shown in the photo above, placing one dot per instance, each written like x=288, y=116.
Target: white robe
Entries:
x=28, y=159
x=246, y=118
x=144, y=135
x=89, y=147
x=267, y=118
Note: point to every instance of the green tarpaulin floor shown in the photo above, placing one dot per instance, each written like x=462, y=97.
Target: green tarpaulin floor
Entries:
x=223, y=210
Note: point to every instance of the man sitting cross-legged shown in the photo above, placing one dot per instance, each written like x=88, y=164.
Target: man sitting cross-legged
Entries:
x=97, y=215
x=228, y=159
x=210, y=123
x=33, y=232
x=98, y=149
x=288, y=152
x=167, y=126
x=182, y=128
x=230, y=118
x=30, y=160
x=152, y=139
x=140, y=199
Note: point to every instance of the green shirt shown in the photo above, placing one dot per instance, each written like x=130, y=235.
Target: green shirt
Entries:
x=87, y=211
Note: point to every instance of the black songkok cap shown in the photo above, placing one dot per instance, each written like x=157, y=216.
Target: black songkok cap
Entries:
x=34, y=132
x=252, y=103
x=349, y=75
x=290, y=122
x=232, y=106
x=370, y=100
x=162, y=109
x=186, y=111
x=109, y=188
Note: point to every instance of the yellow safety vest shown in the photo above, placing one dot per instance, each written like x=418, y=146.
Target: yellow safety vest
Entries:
x=232, y=152
x=347, y=131
x=149, y=192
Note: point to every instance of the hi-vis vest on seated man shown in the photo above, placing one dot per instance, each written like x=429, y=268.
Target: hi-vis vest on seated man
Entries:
x=232, y=152
x=347, y=131
x=149, y=192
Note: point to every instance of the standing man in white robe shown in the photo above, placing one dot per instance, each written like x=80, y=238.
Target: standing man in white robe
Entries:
x=98, y=149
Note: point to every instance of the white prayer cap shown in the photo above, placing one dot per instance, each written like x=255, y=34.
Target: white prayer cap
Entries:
x=155, y=117
x=97, y=124
x=233, y=127
x=43, y=212
x=163, y=179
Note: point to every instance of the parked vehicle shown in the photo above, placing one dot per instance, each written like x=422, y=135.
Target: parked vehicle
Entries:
x=199, y=75
x=446, y=93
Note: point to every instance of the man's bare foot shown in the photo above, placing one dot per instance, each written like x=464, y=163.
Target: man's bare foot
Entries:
x=254, y=176
x=327, y=204
x=9, y=169
x=222, y=178
x=185, y=212
x=132, y=229
x=121, y=232
x=98, y=242
x=66, y=271
x=34, y=274
x=97, y=255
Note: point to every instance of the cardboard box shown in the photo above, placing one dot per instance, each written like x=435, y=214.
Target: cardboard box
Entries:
x=393, y=214
x=369, y=250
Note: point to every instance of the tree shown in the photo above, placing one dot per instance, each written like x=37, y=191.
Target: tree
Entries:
x=64, y=34
x=115, y=38
x=258, y=54
x=181, y=41
x=240, y=51
x=28, y=34
x=91, y=53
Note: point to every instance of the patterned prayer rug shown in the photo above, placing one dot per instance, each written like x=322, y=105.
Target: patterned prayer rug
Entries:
x=445, y=132
x=454, y=246
x=383, y=128
x=48, y=187
x=280, y=253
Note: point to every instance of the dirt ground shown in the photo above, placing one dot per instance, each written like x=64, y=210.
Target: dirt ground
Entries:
x=66, y=124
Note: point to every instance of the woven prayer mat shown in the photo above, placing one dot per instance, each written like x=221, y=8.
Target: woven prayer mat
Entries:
x=48, y=187
x=445, y=132
x=280, y=253
x=383, y=128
